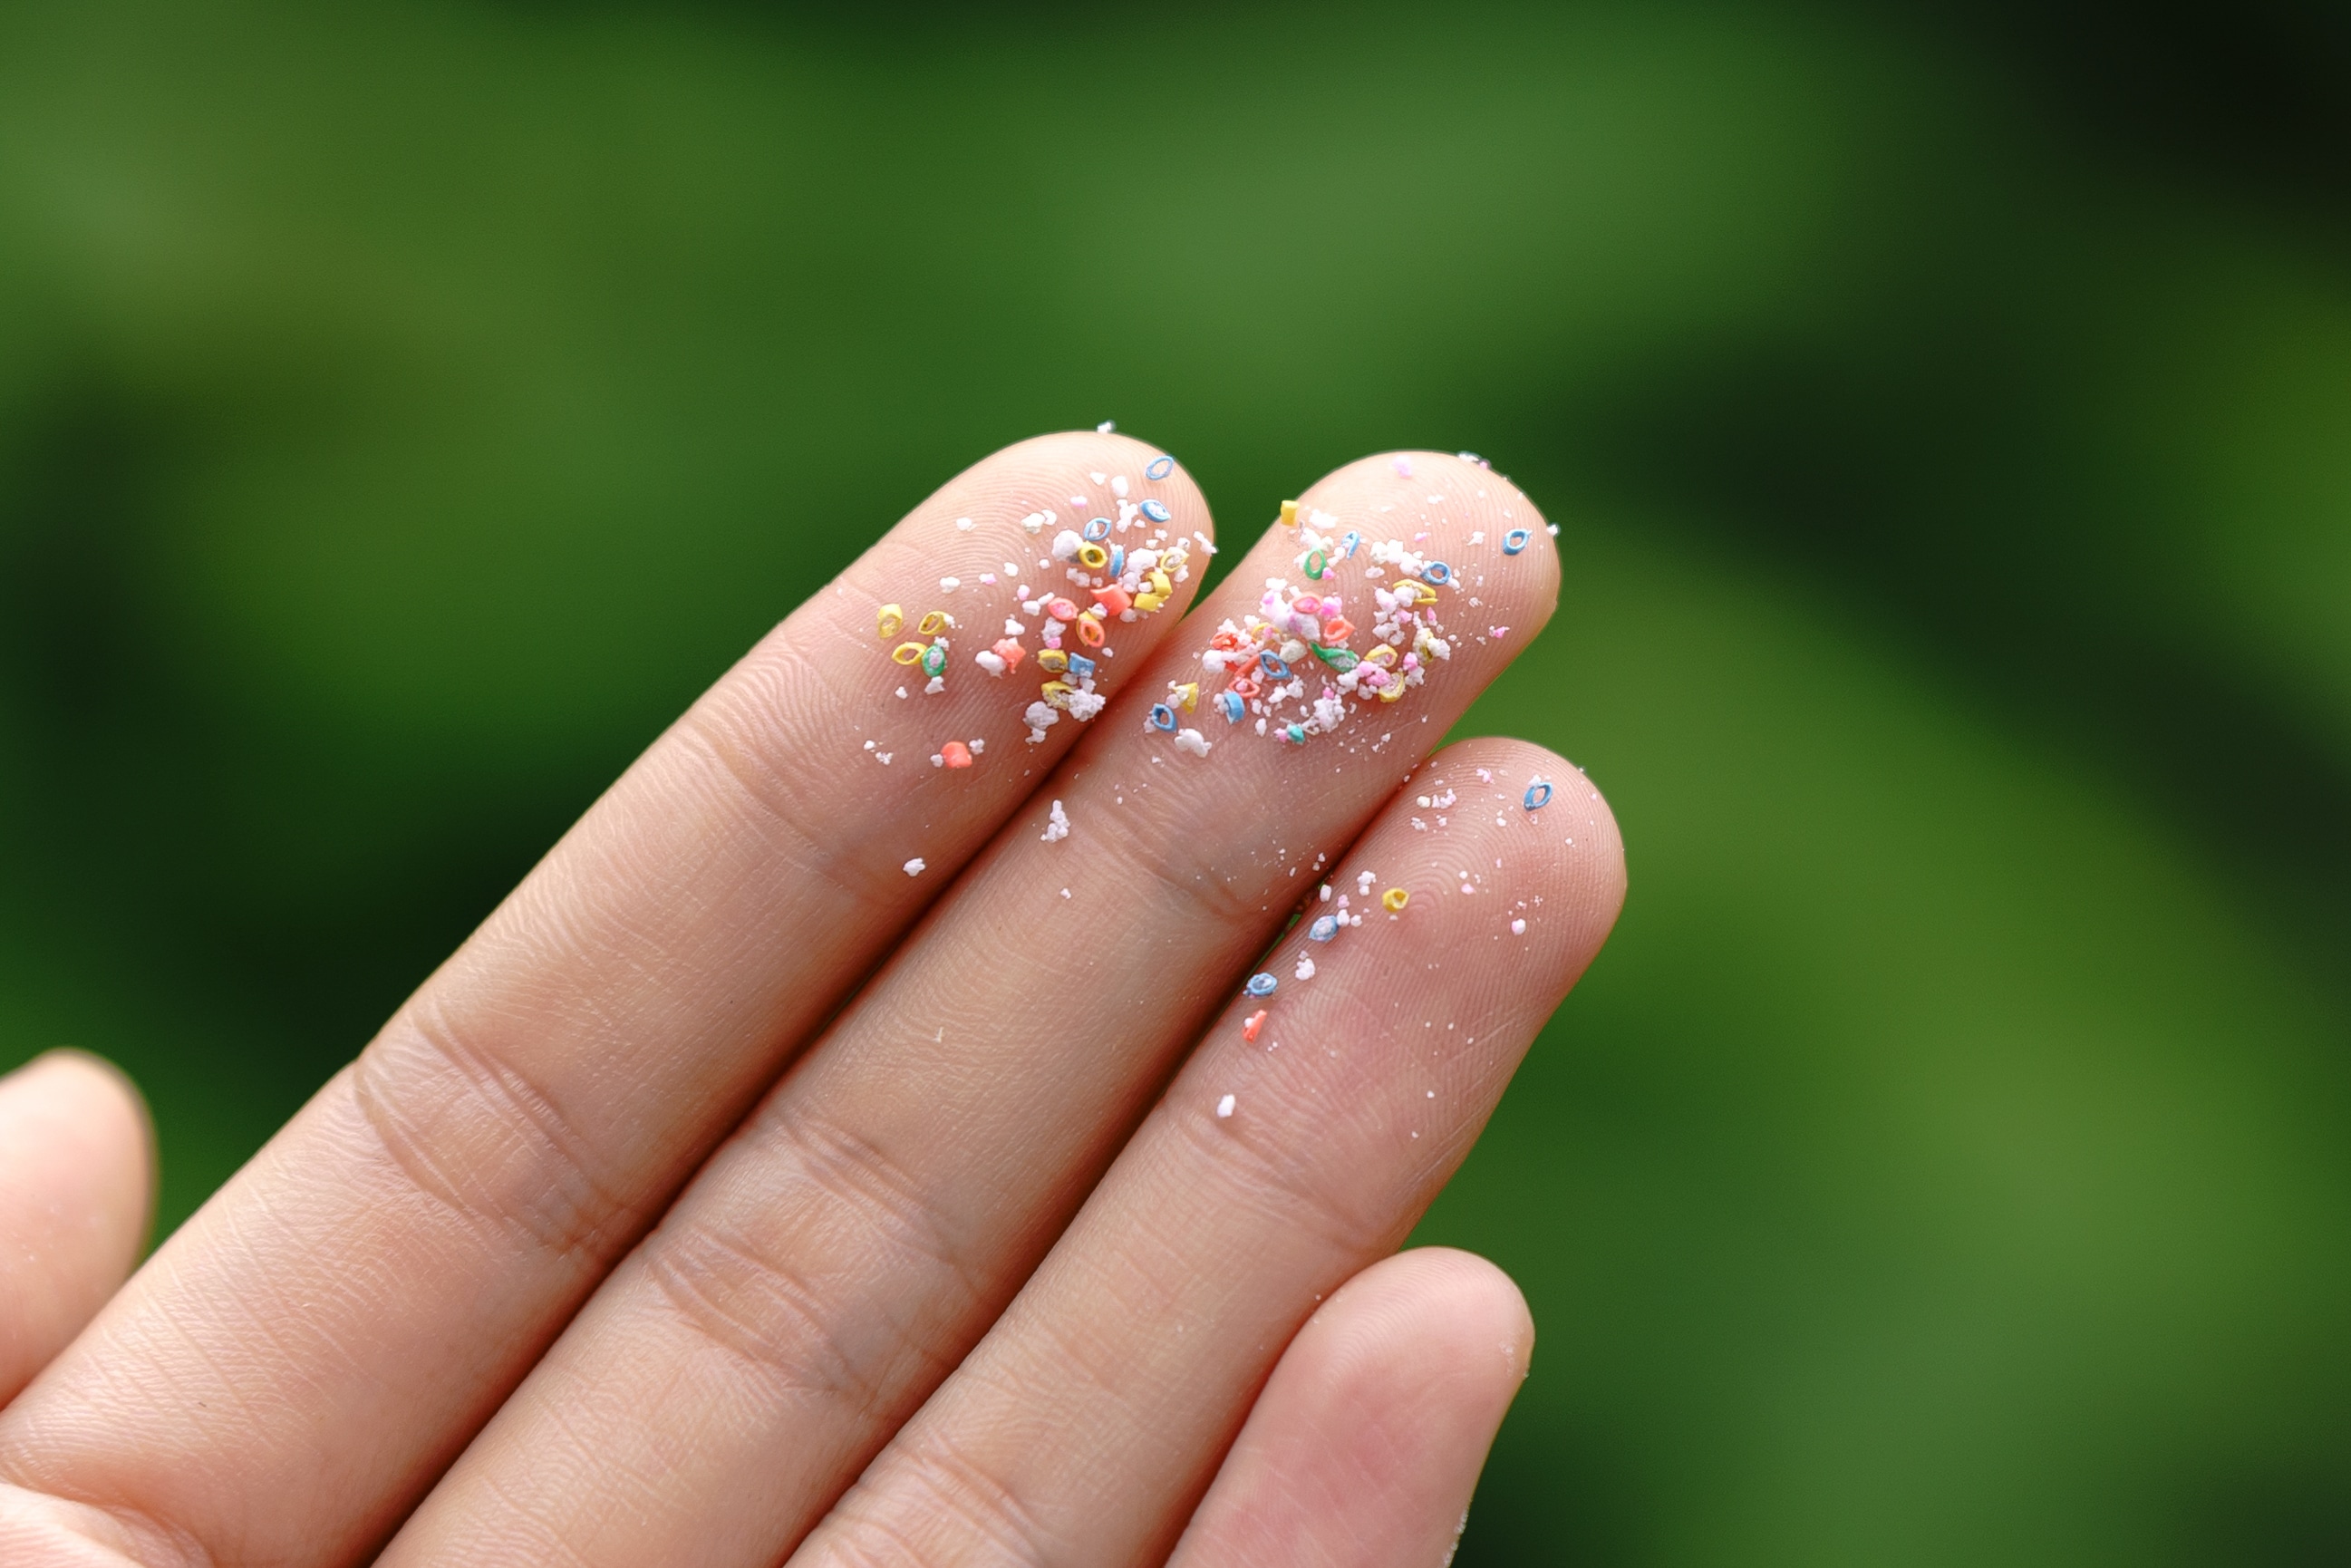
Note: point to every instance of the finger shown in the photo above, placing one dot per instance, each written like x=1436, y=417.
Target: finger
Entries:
x=76, y=1181
x=1364, y=1447
x=870, y=1219
x=285, y=1377
x=1086, y=1424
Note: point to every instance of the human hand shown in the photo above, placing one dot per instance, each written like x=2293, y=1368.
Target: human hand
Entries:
x=791, y=1166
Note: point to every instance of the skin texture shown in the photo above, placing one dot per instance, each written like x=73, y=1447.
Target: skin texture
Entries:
x=651, y=1229
x=76, y=1183
x=1364, y=1447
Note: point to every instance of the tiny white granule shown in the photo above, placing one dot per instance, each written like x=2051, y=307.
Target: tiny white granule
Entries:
x=964, y=524
x=901, y=690
x=1305, y=968
x=936, y=684
x=977, y=747
x=1193, y=741
x=1363, y=882
x=915, y=867
x=950, y=584
x=882, y=758
x=1225, y=1108
x=1057, y=826
x=1517, y=927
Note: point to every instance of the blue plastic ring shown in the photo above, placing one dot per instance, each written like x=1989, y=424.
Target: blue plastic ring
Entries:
x=1537, y=796
x=1351, y=539
x=1324, y=929
x=1162, y=717
x=1515, y=540
x=1117, y=561
x=1274, y=664
x=1232, y=705
x=1262, y=985
x=1438, y=572
x=1096, y=530
x=1157, y=511
x=1161, y=466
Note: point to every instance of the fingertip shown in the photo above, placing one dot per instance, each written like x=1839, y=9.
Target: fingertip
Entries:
x=76, y=1191
x=1546, y=812
x=1456, y=1314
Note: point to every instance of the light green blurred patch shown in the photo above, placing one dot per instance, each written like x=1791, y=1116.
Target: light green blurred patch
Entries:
x=1932, y=1169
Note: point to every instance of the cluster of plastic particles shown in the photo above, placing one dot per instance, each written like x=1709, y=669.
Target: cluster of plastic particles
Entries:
x=1291, y=663
x=1117, y=570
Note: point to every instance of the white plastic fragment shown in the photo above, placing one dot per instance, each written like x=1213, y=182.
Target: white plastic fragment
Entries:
x=1193, y=741
x=1057, y=825
x=1225, y=1109
x=1517, y=927
x=915, y=867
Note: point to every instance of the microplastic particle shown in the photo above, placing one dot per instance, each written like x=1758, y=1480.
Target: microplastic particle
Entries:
x=1225, y=1109
x=1157, y=511
x=1517, y=927
x=1515, y=540
x=1261, y=985
x=914, y=867
x=1160, y=467
x=1323, y=928
x=1096, y=530
x=1538, y=795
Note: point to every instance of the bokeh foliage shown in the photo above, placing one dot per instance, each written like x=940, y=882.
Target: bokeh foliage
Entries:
x=405, y=408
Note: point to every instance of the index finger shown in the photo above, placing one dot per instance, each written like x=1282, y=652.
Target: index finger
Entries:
x=293, y=1367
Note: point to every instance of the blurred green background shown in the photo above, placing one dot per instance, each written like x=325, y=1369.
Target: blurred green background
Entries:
x=405, y=409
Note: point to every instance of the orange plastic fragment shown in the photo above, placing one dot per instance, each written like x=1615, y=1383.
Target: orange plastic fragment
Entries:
x=1009, y=650
x=1256, y=1022
x=1113, y=601
x=956, y=753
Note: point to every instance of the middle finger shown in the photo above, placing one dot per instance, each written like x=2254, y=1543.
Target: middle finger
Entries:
x=871, y=1219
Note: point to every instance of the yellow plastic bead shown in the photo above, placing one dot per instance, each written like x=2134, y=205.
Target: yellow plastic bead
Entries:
x=936, y=622
x=1161, y=583
x=1147, y=602
x=1391, y=690
x=1057, y=694
x=892, y=621
x=1383, y=655
x=1173, y=560
x=1290, y=514
x=1394, y=899
x=1052, y=660
x=908, y=652
x=1187, y=695
x=1421, y=593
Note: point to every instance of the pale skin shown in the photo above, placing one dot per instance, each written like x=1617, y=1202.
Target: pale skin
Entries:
x=733, y=1197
